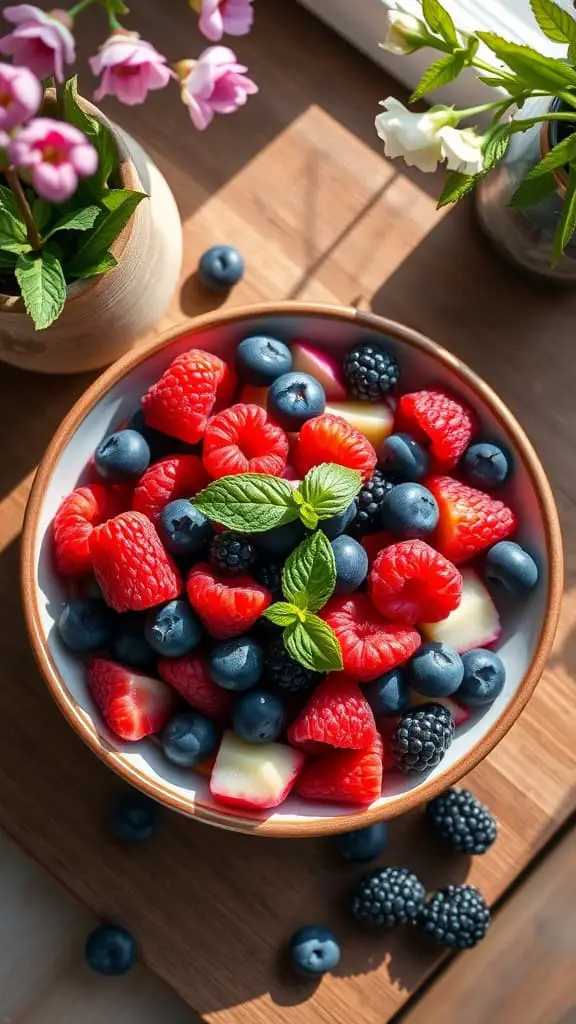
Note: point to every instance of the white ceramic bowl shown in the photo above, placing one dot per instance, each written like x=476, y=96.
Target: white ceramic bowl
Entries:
x=528, y=627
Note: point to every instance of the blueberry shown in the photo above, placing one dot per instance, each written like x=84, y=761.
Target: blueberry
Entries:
x=280, y=541
x=314, y=951
x=159, y=444
x=339, y=523
x=485, y=465
x=410, y=510
x=85, y=624
x=182, y=527
x=110, y=949
x=260, y=360
x=220, y=268
x=122, y=457
x=389, y=694
x=403, y=457
x=259, y=717
x=436, y=670
x=512, y=567
x=484, y=677
x=351, y=564
x=173, y=629
x=134, y=818
x=129, y=646
x=236, y=664
x=294, y=398
x=188, y=738
x=364, y=843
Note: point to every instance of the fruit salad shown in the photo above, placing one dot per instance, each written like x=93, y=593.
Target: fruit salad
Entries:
x=287, y=570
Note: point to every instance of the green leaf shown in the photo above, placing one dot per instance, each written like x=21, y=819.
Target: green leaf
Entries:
x=538, y=71
x=567, y=224
x=42, y=212
x=114, y=6
x=533, y=190
x=562, y=154
x=8, y=202
x=43, y=287
x=250, y=502
x=307, y=514
x=7, y=260
x=7, y=244
x=77, y=220
x=283, y=614
x=12, y=226
x=572, y=53
x=310, y=570
x=98, y=133
x=440, y=73
x=496, y=145
x=314, y=644
x=457, y=186
x=108, y=262
x=439, y=20
x=94, y=247
x=330, y=488
x=555, y=23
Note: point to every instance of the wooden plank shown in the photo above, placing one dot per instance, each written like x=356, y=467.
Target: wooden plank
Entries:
x=298, y=181
x=524, y=970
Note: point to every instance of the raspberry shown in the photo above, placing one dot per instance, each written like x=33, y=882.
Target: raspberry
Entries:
x=410, y=582
x=369, y=644
x=337, y=714
x=132, y=705
x=227, y=606
x=180, y=402
x=190, y=677
x=441, y=420
x=179, y=476
x=243, y=440
x=329, y=438
x=343, y=776
x=369, y=503
x=131, y=566
x=371, y=372
x=79, y=513
x=231, y=554
x=470, y=520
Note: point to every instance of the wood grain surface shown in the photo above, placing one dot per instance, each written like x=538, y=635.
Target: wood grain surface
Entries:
x=297, y=181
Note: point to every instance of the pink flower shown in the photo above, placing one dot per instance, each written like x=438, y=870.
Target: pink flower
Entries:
x=55, y=154
x=43, y=42
x=20, y=96
x=130, y=67
x=217, y=17
x=213, y=84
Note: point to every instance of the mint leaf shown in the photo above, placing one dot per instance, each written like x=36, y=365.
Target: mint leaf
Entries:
x=314, y=644
x=11, y=226
x=97, y=133
x=440, y=73
x=538, y=71
x=533, y=190
x=250, y=502
x=439, y=20
x=76, y=220
x=310, y=570
x=457, y=186
x=7, y=244
x=108, y=262
x=283, y=614
x=567, y=224
x=95, y=246
x=555, y=23
x=330, y=488
x=8, y=202
x=562, y=154
x=42, y=286
x=307, y=514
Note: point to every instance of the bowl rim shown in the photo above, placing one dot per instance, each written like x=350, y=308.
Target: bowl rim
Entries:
x=313, y=825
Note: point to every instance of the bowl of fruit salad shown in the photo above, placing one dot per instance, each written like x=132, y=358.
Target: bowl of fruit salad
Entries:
x=291, y=571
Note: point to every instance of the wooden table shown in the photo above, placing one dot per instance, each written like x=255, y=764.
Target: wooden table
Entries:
x=298, y=182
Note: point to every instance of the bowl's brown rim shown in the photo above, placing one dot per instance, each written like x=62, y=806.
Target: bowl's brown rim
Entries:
x=318, y=825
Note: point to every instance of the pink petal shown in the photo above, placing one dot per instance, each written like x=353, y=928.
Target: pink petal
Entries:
x=210, y=21
x=23, y=12
x=159, y=76
x=55, y=182
x=84, y=160
x=201, y=114
x=131, y=89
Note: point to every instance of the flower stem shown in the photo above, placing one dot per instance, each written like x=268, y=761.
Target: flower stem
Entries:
x=471, y=111
x=528, y=121
x=24, y=206
x=113, y=22
x=77, y=8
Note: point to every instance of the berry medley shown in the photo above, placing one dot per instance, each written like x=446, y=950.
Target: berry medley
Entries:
x=288, y=569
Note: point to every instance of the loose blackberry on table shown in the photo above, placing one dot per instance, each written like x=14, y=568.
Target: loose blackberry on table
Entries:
x=422, y=737
x=371, y=372
x=231, y=554
x=387, y=897
x=369, y=503
x=286, y=673
x=455, y=917
x=461, y=822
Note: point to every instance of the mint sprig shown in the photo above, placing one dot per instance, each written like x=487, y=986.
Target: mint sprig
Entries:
x=314, y=644
x=310, y=572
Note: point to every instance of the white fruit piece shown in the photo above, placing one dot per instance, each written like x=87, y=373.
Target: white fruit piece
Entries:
x=324, y=368
x=474, y=623
x=459, y=713
x=374, y=421
x=258, y=775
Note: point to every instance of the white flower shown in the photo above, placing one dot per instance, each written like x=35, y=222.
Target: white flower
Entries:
x=414, y=136
x=407, y=31
x=462, y=149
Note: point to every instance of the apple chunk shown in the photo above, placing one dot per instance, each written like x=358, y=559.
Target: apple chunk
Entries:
x=257, y=775
x=374, y=421
x=326, y=370
x=474, y=623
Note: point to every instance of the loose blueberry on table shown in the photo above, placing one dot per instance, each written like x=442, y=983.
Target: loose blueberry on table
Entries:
x=110, y=949
x=283, y=546
x=220, y=268
x=314, y=951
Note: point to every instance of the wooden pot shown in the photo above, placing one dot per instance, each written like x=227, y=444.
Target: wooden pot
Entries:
x=105, y=316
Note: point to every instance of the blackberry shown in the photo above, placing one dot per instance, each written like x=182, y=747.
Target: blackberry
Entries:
x=387, y=897
x=464, y=824
x=231, y=554
x=422, y=737
x=369, y=503
x=455, y=917
x=371, y=372
x=286, y=673
x=269, y=574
